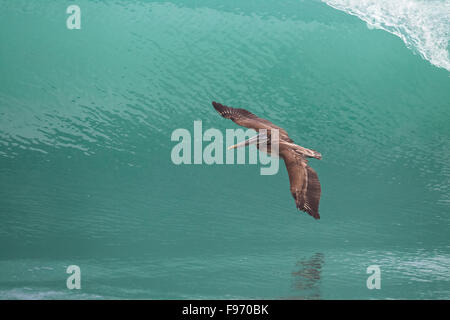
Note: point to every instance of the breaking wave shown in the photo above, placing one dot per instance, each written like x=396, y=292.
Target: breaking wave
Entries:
x=424, y=26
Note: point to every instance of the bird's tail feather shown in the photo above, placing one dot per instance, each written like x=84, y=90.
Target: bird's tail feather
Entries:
x=316, y=154
x=309, y=153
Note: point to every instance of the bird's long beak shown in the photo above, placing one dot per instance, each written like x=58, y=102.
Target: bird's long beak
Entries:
x=248, y=142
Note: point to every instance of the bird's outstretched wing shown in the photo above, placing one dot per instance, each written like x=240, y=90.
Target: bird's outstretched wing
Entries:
x=247, y=119
x=305, y=185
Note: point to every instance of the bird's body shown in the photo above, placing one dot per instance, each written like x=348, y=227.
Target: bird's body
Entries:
x=304, y=183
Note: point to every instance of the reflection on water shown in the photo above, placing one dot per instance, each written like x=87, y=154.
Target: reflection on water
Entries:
x=306, y=278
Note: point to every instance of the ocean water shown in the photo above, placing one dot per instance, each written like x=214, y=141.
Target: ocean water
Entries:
x=86, y=176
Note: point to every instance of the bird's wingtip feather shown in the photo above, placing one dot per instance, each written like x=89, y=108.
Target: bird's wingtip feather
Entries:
x=216, y=105
x=312, y=213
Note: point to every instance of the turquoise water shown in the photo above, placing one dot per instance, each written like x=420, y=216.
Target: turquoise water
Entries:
x=86, y=176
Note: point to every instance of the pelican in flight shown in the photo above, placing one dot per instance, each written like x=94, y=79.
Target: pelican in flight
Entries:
x=305, y=185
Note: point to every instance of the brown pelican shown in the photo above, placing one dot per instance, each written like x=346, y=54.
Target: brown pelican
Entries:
x=305, y=185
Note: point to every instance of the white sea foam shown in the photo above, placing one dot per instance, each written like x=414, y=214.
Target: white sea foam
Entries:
x=424, y=25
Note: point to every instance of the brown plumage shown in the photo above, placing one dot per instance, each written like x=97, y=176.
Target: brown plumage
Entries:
x=305, y=185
